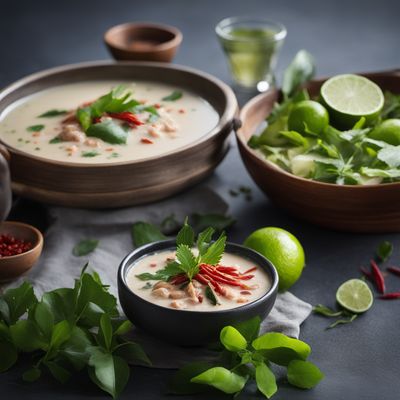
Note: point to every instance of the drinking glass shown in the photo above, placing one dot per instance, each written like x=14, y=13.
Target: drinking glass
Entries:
x=251, y=46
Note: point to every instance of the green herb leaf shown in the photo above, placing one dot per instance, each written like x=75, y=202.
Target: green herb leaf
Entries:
x=250, y=329
x=280, y=348
x=172, y=269
x=61, y=333
x=110, y=373
x=85, y=247
x=390, y=155
x=144, y=233
x=300, y=70
x=108, y=131
x=106, y=331
x=295, y=137
x=52, y=113
x=31, y=375
x=187, y=261
x=204, y=240
x=214, y=253
x=19, y=300
x=90, y=154
x=181, y=381
x=218, y=222
x=84, y=117
x=9, y=355
x=222, y=379
x=384, y=250
x=58, y=372
x=175, y=95
x=55, y=140
x=326, y=311
x=26, y=336
x=304, y=374
x=123, y=328
x=266, y=381
x=185, y=235
x=342, y=321
x=44, y=318
x=380, y=173
x=35, y=128
x=232, y=339
x=209, y=292
x=133, y=353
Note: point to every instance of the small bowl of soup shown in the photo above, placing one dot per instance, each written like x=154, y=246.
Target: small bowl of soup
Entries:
x=243, y=285
x=143, y=41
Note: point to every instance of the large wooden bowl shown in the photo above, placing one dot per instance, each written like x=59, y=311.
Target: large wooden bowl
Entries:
x=343, y=207
x=122, y=183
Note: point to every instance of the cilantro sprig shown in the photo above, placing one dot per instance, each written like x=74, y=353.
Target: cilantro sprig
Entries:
x=186, y=261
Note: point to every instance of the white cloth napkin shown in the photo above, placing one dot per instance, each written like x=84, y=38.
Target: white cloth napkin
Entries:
x=58, y=266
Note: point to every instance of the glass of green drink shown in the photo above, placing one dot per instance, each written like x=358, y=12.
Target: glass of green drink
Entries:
x=251, y=46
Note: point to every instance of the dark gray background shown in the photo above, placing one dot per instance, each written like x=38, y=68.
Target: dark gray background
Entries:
x=361, y=361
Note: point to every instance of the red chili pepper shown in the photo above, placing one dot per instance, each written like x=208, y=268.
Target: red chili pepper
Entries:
x=146, y=140
x=128, y=117
x=200, y=278
x=390, y=296
x=179, y=279
x=394, y=270
x=246, y=277
x=249, y=270
x=378, y=277
x=10, y=246
x=366, y=273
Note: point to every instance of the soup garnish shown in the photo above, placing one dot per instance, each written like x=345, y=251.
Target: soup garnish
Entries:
x=196, y=274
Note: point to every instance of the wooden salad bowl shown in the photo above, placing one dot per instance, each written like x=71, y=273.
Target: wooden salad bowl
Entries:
x=373, y=208
x=122, y=183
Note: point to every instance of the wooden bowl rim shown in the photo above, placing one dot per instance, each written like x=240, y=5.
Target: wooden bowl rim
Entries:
x=271, y=166
x=38, y=239
x=127, y=26
x=231, y=108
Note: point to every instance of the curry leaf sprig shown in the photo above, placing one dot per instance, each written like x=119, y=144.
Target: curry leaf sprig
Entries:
x=187, y=262
x=248, y=357
x=68, y=330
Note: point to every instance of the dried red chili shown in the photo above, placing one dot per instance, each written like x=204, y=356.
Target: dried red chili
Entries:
x=366, y=273
x=378, y=277
x=394, y=270
x=11, y=246
x=128, y=117
x=390, y=296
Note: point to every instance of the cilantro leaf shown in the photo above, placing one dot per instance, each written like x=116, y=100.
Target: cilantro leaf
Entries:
x=175, y=95
x=204, y=240
x=214, y=253
x=187, y=261
x=52, y=113
x=172, y=269
x=185, y=235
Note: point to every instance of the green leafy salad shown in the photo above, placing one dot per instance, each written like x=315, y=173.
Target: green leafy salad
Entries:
x=349, y=134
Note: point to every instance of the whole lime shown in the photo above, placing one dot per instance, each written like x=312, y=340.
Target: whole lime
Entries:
x=308, y=115
x=388, y=131
x=283, y=250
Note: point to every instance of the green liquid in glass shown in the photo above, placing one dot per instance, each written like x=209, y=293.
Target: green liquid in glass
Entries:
x=251, y=54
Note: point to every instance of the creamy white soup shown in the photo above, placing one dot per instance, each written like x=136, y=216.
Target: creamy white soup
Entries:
x=207, y=291
x=78, y=123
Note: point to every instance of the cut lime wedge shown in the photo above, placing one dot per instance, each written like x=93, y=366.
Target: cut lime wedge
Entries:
x=350, y=97
x=355, y=295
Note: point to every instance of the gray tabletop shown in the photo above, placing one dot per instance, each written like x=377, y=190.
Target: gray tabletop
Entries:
x=360, y=360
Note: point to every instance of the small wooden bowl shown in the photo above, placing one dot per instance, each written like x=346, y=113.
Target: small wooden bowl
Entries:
x=14, y=266
x=374, y=208
x=143, y=41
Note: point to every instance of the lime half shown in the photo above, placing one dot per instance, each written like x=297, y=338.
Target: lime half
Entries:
x=355, y=295
x=350, y=97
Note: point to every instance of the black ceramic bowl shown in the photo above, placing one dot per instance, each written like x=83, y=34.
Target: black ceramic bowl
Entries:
x=184, y=327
